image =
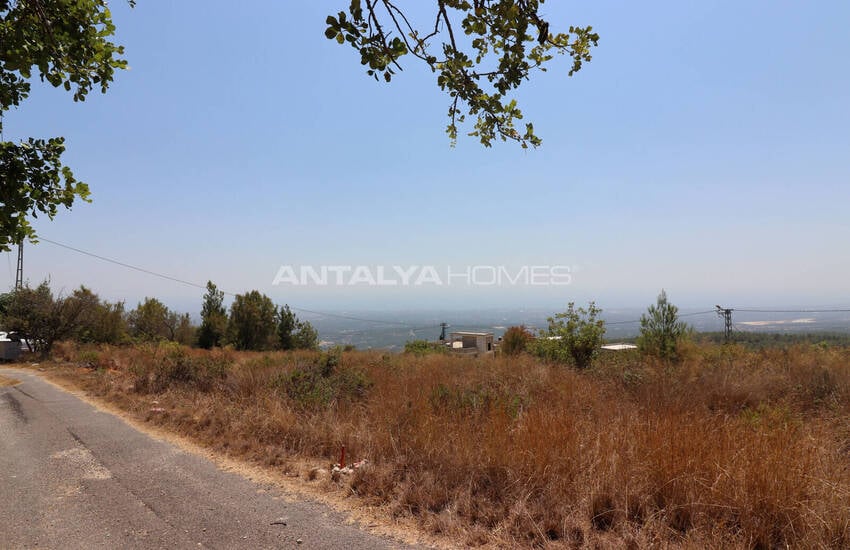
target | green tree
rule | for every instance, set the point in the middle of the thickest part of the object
(305, 336)
(41, 318)
(184, 331)
(253, 321)
(515, 340)
(152, 320)
(661, 331)
(213, 318)
(100, 322)
(68, 44)
(286, 325)
(573, 336)
(489, 48)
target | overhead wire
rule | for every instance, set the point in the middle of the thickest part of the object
(399, 324)
(197, 285)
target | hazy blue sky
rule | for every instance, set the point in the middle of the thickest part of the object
(706, 150)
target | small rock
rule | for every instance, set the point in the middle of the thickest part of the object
(298, 541)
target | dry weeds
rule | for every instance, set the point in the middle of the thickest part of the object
(729, 448)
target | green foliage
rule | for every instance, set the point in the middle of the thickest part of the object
(100, 322)
(170, 363)
(661, 331)
(423, 347)
(515, 340)
(41, 318)
(505, 42)
(34, 182)
(66, 44)
(152, 320)
(323, 382)
(306, 336)
(253, 322)
(293, 333)
(286, 324)
(573, 336)
(213, 318)
(185, 332)
(766, 340)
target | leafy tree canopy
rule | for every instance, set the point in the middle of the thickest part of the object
(253, 322)
(152, 320)
(42, 318)
(481, 51)
(65, 43)
(574, 336)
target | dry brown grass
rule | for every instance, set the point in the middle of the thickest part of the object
(7, 381)
(729, 448)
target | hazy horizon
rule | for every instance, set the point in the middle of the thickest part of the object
(714, 167)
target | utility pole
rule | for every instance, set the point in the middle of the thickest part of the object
(19, 274)
(726, 313)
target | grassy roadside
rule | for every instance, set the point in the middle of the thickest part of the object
(731, 448)
(7, 381)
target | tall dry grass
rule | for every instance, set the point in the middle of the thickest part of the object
(729, 448)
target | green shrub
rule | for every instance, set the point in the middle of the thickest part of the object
(515, 340)
(573, 336)
(423, 347)
(169, 364)
(323, 382)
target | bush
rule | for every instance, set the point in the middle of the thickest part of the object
(515, 340)
(423, 347)
(323, 382)
(167, 364)
(573, 336)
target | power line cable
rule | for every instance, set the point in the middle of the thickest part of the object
(128, 266)
(681, 315)
(698, 313)
(196, 285)
(400, 324)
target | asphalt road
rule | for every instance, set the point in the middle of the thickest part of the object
(72, 476)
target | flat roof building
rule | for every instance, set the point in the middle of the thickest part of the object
(471, 342)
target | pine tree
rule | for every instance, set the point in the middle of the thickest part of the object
(661, 331)
(213, 318)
